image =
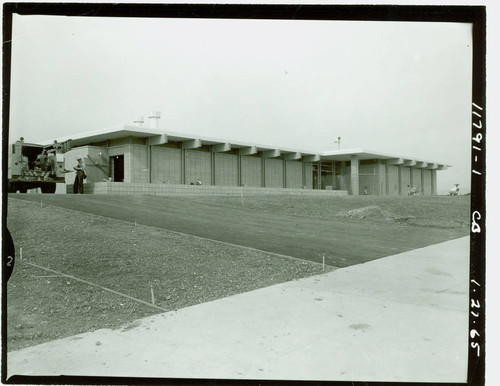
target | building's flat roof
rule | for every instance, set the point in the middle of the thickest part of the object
(121, 131)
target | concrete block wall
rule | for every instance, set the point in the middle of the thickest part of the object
(392, 181)
(190, 190)
(416, 178)
(294, 174)
(251, 171)
(345, 178)
(369, 177)
(382, 184)
(308, 166)
(166, 165)
(198, 166)
(405, 179)
(226, 169)
(137, 164)
(427, 176)
(274, 173)
(96, 167)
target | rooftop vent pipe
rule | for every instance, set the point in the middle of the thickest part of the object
(139, 121)
(154, 119)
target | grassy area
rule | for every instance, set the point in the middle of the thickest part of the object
(428, 211)
(182, 270)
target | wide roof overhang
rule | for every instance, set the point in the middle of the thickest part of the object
(122, 131)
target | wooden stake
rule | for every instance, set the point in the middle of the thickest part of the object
(20, 253)
(152, 294)
(323, 261)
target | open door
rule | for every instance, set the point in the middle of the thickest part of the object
(118, 162)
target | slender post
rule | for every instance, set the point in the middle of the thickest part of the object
(152, 294)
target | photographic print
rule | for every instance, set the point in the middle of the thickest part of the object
(243, 192)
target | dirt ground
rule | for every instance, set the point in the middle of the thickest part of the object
(426, 211)
(180, 270)
(138, 261)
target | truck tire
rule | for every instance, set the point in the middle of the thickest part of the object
(48, 188)
(11, 188)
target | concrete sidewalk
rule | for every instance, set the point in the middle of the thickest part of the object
(400, 318)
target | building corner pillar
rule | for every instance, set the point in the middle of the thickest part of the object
(433, 182)
(355, 175)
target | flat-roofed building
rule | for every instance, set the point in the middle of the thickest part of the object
(135, 159)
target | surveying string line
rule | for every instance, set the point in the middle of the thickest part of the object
(195, 236)
(98, 286)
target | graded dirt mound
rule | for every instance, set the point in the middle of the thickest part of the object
(374, 212)
(371, 211)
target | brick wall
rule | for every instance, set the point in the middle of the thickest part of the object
(226, 169)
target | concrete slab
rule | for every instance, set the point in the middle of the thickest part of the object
(400, 318)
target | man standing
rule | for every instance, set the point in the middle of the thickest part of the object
(79, 177)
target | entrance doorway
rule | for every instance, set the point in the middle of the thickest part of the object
(118, 167)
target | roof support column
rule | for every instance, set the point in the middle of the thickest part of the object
(422, 182)
(150, 149)
(318, 180)
(433, 182)
(238, 170)
(334, 181)
(212, 166)
(400, 181)
(355, 175)
(387, 184)
(183, 166)
(284, 173)
(303, 173)
(263, 170)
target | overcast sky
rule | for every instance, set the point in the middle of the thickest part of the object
(399, 88)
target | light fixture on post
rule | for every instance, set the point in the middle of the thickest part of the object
(338, 142)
